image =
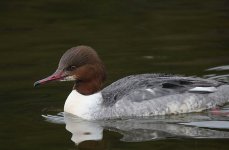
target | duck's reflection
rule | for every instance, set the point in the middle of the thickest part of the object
(139, 130)
(83, 130)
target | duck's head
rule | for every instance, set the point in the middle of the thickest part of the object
(82, 65)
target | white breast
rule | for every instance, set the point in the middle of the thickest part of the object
(82, 105)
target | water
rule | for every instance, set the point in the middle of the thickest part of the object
(132, 37)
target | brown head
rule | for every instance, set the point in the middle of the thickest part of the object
(82, 65)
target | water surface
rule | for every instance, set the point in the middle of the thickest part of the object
(132, 37)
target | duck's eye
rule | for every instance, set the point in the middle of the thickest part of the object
(71, 68)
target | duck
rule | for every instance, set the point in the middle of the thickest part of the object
(141, 95)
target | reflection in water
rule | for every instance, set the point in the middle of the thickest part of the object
(210, 124)
(147, 129)
(83, 130)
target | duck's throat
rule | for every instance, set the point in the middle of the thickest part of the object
(90, 79)
(87, 87)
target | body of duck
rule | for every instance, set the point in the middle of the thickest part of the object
(132, 96)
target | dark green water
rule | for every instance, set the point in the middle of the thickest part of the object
(131, 36)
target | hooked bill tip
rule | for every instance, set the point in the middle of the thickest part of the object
(36, 84)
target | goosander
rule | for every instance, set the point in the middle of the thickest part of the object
(134, 95)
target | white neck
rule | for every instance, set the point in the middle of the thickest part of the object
(84, 106)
